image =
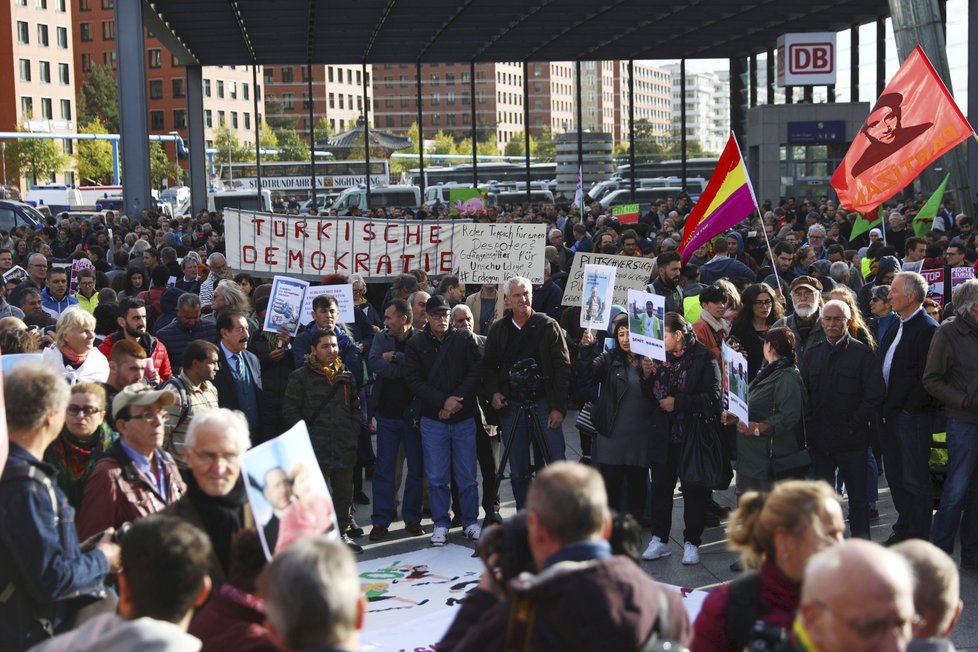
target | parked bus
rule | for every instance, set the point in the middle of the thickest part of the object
(487, 172)
(288, 179)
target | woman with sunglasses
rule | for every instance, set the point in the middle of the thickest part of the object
(83, 439)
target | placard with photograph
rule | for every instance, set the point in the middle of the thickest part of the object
(285, 305)
(598, 295)
(735, 382)
(646, 324)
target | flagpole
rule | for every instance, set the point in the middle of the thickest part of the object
(757, 207)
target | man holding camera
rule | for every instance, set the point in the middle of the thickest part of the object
(526, 336)
(583, 598)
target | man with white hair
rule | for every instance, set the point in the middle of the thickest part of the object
(856, 596)
(564, 257)
(845, 388)
(952, 366)
(816, 240)
(218, 266)
(805, 322)
(216, 500)
(937, 592)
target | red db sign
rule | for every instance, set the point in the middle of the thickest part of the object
(806, 59)
(811, 58)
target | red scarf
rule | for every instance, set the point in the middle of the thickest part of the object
(76, 359)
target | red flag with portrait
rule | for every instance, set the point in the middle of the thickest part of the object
(913, 122)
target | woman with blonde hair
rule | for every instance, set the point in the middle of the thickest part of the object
(73, 354)
(776, 533)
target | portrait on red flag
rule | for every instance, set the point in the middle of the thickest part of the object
(914, 122)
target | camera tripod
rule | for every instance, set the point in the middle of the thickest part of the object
(527, 412)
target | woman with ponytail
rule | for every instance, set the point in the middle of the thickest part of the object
(776, 533)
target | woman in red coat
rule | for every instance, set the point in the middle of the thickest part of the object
(776, 534)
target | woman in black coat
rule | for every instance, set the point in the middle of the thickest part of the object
(686, 387)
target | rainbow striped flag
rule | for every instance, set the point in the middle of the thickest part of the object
(728, 199)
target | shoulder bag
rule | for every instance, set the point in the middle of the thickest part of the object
(793, 466)
(701, 460)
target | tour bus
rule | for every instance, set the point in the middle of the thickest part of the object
(400, 196)
(246, 200)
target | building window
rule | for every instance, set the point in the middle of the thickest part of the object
(84, 32)
(349, 77)
(244, 91)
(63, 6)
(247, 121)
(404, 100)
(42, 35)
(435, 99)
(287, 75)
(156, 89)
(269, 76)
(434, 80)
(108, 58)
(220, 118)
(63, 74)
(155, 58)
(209, 119)
(42, 4)
(207, 88)
(63, 38)
(233, 90)
(66, 112)
(179, 119)
(329, 75)
(21, 3)
(178, 87)
(305, 101)
(332, 101)
(25, 70)
(23, 36)
(450, 98)
(156, 121)
(86, 62)
(449, 79)
(84, 5)
(404, 81)
(234, 119)
(45, 70)
(220, 89)
(108, 30)
(27, 107)
(288, 101)
(47, 108)
(108, 4)
(341, 101)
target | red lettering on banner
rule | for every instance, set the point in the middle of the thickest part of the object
(387, 237)
(339, 261)
(245, 251)
(412, 232)
(321, 230)
(433, 234)
(258, 221)
(361, 262)
(384, 264)
(446, 262)
(406, 258)
(347, 236)
(300, 229)
(279, 228)
(294, 256)
(317, 263)
(368, 232)
(270, 255)
(427, 263)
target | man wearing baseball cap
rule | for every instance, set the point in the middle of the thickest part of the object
(806, 297)
(136, 477)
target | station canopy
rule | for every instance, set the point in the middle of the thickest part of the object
(293, 32)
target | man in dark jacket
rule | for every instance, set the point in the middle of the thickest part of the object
(949, 376)
(583, 598)
(443, 369)
(185, 328)
(527, 335)
(845, 388)
(804, 322)
(909, 411)
(723, 266)
(669, 266)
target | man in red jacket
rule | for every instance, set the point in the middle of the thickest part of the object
(132, 327)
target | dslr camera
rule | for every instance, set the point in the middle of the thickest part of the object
(526, 379)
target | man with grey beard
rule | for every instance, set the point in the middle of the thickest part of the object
(806, 296)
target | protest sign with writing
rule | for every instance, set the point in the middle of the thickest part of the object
(646, 324)
(344, 301)
(492, 253)
(633, 273)
(735, 382)
(935, 284)
(285, 305)
(961, 274)
(599, 283)
(15, 273)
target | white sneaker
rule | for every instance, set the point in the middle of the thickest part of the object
(472, 532)
(656, 550)
(691, 554)
(440, 536)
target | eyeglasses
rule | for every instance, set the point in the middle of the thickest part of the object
(876, 627)
(211, 458)
(764, 303)
(85, 410)
(148, 417)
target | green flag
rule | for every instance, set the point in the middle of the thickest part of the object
(924, 221)
(863, 224)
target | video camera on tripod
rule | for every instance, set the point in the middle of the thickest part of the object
(525, 379)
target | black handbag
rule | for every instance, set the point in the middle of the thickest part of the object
(701, 460)
(793, 466)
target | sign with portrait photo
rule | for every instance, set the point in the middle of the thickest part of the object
(646, 324)
(735, 382)
(285, 305)
(598, 295)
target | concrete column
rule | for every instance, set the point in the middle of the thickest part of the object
(133, 126)
(195, 138)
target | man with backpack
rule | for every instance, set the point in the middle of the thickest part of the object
(195, 387)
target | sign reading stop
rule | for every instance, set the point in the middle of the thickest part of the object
(806, 59)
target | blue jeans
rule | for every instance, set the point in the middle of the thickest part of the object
(852, 471)
(448, 448)
(391, 433)
(959, 489)
(519, 454)
(906, 441)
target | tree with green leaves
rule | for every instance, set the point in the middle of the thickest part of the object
(225, 142)
(99, 98)
(517, 145)
(40, 157)
(323, 130)
(276, 116)
(161, 167)
(291, 147)
(93, 158)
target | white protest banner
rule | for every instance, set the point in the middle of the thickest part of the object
(599, 284)
(633, 273)
(646, 324)
(285, 305)
(281, 475)
(735, 382)
(492, 253)
(344, 301)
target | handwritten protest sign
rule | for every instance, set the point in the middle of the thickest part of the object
(633, 273)
(492, 253)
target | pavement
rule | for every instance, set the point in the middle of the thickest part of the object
(715, 556)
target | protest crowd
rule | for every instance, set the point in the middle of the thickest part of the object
(124, 517)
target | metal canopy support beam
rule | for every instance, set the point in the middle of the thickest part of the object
(769, 64)
(631, 126)
(880, 55)
(312, 135)
(417, 75)
(366, 126)
(854, 63)
(809, 95)
(526, 126)
(195, 138)
(580, 116)
(158, 28)
(752, 64)
(736, 98)
(254, 94)
(682, 118)
(131, 78)
(475, 160)
(972, 96)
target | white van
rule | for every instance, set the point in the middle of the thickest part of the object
(399, 196)
(246, 200)
(642, 196)
(56, 197)
(175, 197)
(519, 197)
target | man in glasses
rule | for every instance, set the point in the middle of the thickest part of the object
(37, 272)
(136, 477)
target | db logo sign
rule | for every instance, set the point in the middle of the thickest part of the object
(806, 59)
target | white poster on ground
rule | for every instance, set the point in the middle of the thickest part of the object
(598, 295)
(646, 324)
(735, 382)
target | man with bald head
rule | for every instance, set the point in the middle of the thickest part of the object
(856, 596)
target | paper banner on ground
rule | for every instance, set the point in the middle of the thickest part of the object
(646, 324)
(735, 383)
(633, 273)
(492, 253)
(344, 301)
(596, 300)
(288, 494)
(935, 284)
(285, 305)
